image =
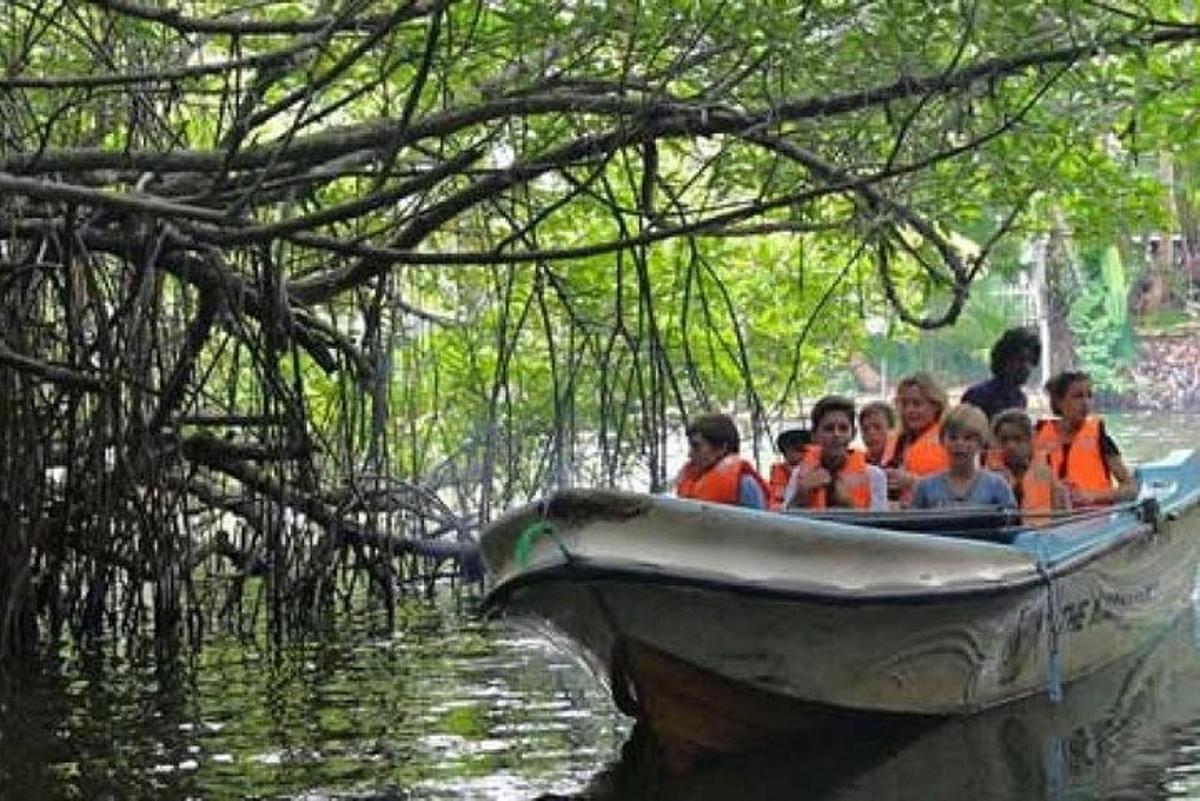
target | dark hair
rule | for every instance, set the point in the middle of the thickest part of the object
(1012, 417)
(1058, 386)
(718, 429)
(833, 403)
(878, 407)
(793, 438)
(1013, 343)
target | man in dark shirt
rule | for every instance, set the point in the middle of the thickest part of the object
(1014, 356)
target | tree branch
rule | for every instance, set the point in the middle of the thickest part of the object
(174, 19)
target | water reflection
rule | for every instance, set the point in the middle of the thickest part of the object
(1130, 731)
(446, 708)
(441, 708)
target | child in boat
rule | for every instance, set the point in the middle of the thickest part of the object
(1081, 452)
(831, 474)
(876, 421)
(714, 471)
(964, 434)
(792, 443)
(1034, 485)
(918, 450)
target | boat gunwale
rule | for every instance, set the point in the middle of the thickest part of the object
(582, 568)
(1129, 523)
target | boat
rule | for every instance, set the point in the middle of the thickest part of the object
(1114, 734)
(723, 629)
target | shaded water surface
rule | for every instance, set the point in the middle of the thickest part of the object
(445, 707)
(439, 708)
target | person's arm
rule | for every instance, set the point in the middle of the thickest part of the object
(837, 495)
(900, 479)
(803, 481)
(1127, 487)
(750, 494)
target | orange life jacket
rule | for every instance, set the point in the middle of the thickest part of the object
(1078, 461)
(853, 479)
(781, 473)
(1036, 487)
(720, 482)
(1037, 492)
(924, 456)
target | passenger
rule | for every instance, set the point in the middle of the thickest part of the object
(1014, 356)
(832, 475)
(1028, 472)
(791, 443)
(1081, 452)
(876, 422)
(918, 448)
(714, 471)
(964, 434)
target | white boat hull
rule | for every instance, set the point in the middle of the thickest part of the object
(658, 594)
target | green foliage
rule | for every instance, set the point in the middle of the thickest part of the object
(723, 244)
(1099, 319)
(957, 354)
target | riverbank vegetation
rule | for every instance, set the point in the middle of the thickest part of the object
(307, 291)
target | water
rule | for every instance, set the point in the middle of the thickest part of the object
(1146, 435)
(440, 708)
(1130, 732)
(445, 707)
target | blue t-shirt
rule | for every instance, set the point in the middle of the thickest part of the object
(750, 494)
(988, 489)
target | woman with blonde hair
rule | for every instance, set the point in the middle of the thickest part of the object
(918, 451)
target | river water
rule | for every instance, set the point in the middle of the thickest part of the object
(443, 706)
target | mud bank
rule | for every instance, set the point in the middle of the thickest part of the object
(1167, 373)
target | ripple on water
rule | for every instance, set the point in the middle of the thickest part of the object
(501, 785)
(426, 713)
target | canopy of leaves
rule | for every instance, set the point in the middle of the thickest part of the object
(483, 246)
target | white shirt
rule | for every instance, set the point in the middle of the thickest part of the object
(878, 479)
(875, 476)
